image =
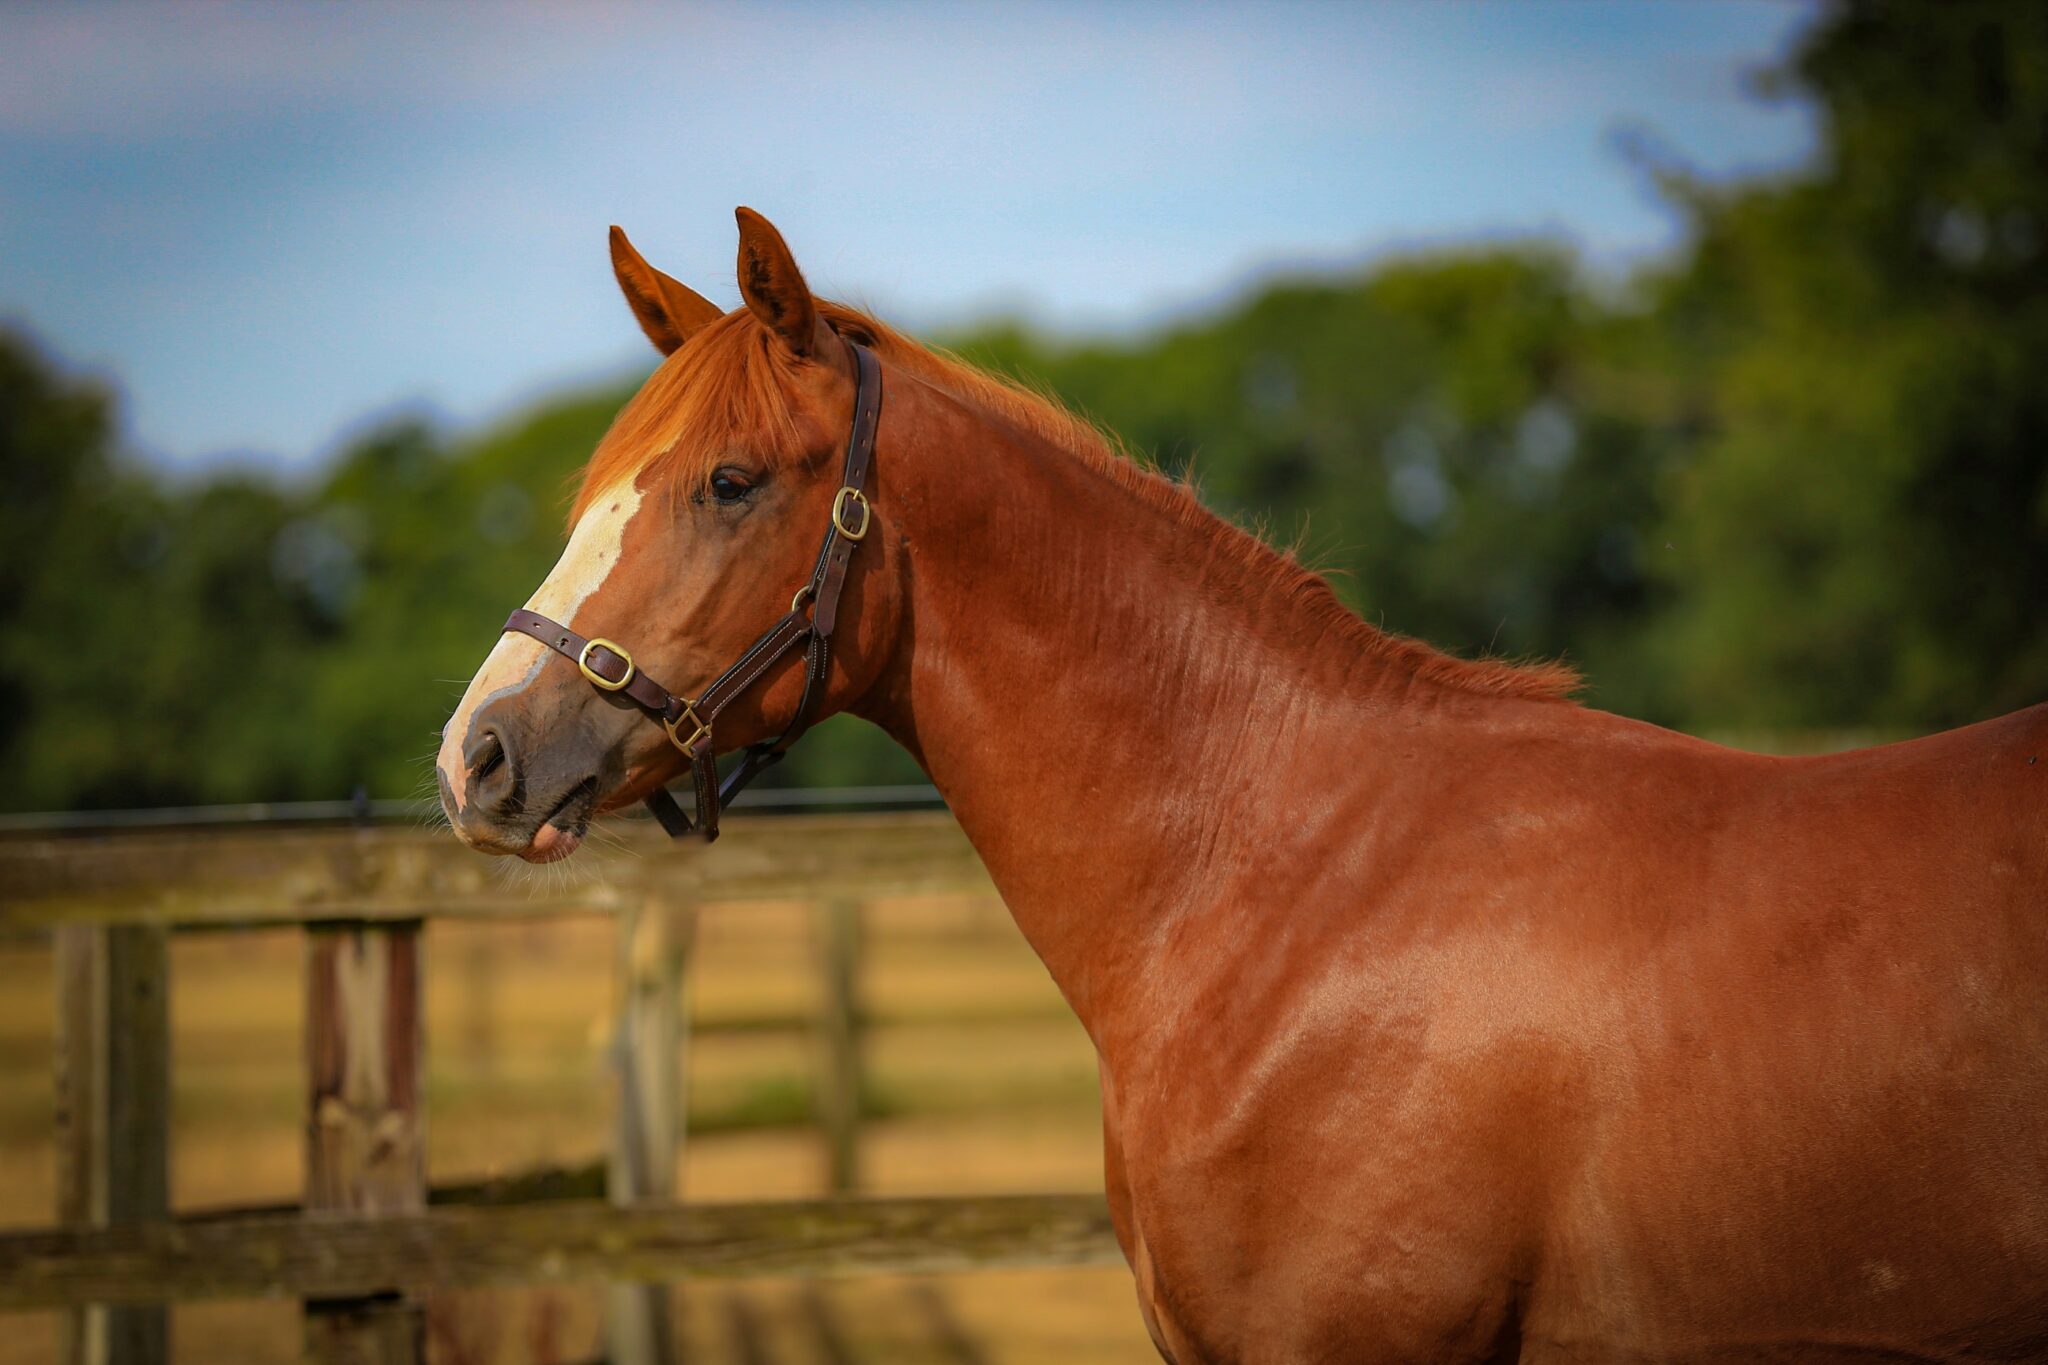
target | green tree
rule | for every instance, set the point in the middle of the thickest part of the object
(1862, 535)
(76, 521)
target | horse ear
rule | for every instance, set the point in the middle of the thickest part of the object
(772, 285)
(669, 310)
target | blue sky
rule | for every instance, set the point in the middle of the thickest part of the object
(269, 224)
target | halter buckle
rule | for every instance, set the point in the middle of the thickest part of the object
(867, 513)
(596, 678)
(700, 727)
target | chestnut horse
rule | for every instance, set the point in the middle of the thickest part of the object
(1439, 1018)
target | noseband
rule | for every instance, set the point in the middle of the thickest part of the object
(610, 668)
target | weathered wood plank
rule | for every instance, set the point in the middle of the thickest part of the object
(535, 1185)
(654, 943)
(242, 878)
(582, 1241)
(365, 1148)
(79, 953)
(365, 1141)
(969, 1015)
(113, 1114)
(839, 1042)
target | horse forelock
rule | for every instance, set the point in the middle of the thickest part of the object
(725, 392)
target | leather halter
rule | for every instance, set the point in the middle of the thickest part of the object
(611, 668)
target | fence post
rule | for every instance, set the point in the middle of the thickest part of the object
(648, 1042)
(113, 1114)
(365, 1139)
(839, 1043)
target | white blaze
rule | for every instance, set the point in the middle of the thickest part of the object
(592, 553)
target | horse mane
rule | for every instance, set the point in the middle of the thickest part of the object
(724, 392)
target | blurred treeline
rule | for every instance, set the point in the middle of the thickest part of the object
(1795, 475)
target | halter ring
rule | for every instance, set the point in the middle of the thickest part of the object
(699, 730)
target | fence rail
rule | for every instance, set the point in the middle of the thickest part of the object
(366, 1241)
(289, 1255)
(243, 879)
(364, 811)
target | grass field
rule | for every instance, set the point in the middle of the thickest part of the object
(979, 1079)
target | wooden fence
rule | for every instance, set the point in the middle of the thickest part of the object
(368, 1239)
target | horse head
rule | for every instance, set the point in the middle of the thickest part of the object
(695, 527)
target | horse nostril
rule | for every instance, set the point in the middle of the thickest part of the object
(493, 774)
(488, 754)
(492, 771)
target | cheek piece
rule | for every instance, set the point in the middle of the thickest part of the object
(610, 667)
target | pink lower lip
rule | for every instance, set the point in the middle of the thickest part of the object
(551, 843)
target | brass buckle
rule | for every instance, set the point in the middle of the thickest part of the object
(803, 595)
(583, 665)
(867, 513)
(690, 714)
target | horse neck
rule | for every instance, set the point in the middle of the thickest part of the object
(1095, 680)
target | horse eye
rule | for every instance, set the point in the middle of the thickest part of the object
(730, 485)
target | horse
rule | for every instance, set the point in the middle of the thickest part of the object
(1439, 1017)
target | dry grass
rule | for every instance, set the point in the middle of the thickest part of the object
(988, 1085)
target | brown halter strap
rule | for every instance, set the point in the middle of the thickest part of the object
(689, 723)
